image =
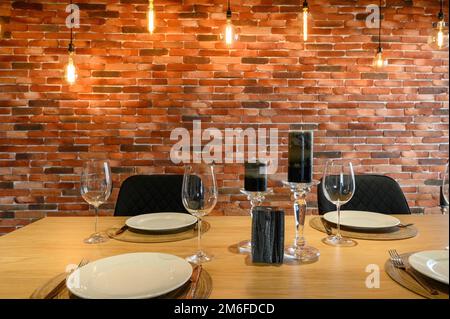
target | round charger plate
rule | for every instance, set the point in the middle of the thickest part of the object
(403, 278)
(129, 276)
(137, 236)
(362, 219)
(394, 233)
(203, 290)
(161, 221)
(431, 263)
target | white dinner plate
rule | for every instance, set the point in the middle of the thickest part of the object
(129, 276)
(361, 219)
(161, 221)
(431, 263)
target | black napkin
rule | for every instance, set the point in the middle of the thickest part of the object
(268, 235)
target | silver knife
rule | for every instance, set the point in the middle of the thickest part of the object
(194, 282)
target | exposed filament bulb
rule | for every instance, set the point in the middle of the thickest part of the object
(229, 33)
(440, 35)
(379, 61)
(151, 17)
(305, 23)
(71, 71)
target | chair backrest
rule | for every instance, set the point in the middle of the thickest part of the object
(374, 193)
(143, 194)
(442, 201)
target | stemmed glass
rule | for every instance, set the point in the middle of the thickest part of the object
(199, 195)
(445, 189)
(96, 186)
(338, 185)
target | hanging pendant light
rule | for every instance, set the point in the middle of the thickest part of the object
(379, 60)
(438, 38)
(151, 17)
(71, 71)
(306, 21)
(229, 35)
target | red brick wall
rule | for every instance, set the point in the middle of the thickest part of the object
(133, 88)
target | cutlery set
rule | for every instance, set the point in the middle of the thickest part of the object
(398, 262)
(62, 284)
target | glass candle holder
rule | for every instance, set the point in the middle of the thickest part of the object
(299, 249)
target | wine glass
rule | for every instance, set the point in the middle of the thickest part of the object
(445, 190)
(338, 185)
(96, 186)
(199, 196)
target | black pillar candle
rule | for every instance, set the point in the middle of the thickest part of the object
(255, 177)
(300, 166)
(267, 235)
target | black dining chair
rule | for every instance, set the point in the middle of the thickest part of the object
(143, 194)
(374, 193)
(442, 202)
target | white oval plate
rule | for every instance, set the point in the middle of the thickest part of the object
(361, 219)
(431, 263)
(161, 221)
(129, 276)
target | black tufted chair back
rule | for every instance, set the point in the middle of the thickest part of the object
(374, 193)
(143, 194)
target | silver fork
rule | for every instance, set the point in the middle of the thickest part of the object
(55, 291)
(398, 262)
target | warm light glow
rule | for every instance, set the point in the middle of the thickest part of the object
(151, 18)
(229, 33)
(439, 36)
(71, 71)
(305, 24)
(379, 61)
(440, 39)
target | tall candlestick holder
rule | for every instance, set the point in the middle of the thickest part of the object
(299, 250)
(255, 198)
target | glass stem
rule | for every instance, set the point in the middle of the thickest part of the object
(96, 219)
(338, 233)
(300, 213)
(199, 235)
(255, 200)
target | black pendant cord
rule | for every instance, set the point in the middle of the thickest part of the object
(379, 30)
(305, 4)
(229, 13)
(441, 11)
(71, 46)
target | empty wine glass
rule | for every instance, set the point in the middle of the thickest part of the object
(96, 186)
(338, 186)
(199, 196)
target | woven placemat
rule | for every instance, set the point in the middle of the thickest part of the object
(394, 233)
(134, 236)
(203, 290)
(404, 279)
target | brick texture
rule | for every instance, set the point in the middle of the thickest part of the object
(134, 88)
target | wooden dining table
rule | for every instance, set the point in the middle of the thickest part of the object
(32, 255)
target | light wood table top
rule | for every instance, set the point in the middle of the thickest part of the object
(32, 255)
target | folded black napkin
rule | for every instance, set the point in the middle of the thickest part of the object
(268, 235)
